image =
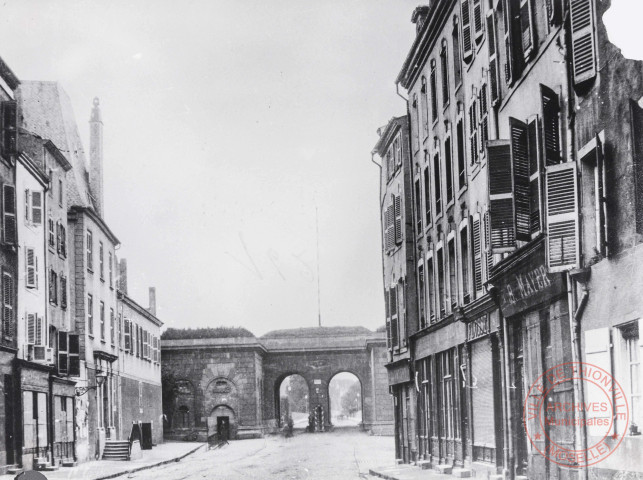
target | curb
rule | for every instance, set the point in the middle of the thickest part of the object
(146, 467)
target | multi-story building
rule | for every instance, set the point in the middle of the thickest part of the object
(398, 258)
(526, 192)
(8, 266)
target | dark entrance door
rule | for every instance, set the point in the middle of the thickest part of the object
(516, 362)
(223, 428)
(9, 416)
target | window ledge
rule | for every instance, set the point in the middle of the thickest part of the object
(462, 191)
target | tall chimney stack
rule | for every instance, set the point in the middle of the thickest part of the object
(96, 157)
(122, 275)
(152, 308)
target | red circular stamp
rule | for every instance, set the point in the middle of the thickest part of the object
(554, 418)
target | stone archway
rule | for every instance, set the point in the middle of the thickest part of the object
(346, 398)
(293, 403)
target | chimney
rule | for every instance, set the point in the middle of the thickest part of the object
(420, 16)
(152, 308)
(122, 275)
(96, 157)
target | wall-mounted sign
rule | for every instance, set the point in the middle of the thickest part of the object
(478, 328)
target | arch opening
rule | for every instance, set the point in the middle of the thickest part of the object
(292, 401)
(346, 400)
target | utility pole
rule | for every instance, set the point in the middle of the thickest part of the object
(318, 290)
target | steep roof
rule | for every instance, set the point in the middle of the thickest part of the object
(44, 109)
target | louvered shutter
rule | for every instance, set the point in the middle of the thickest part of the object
(550, 110)
(40, 327)
(63, 362)
(36, 207)
(30, 261)
(477, 20)
(526, 28)
(9, 128)
(74, 355)
(8, 321)
(128, 335)
(388, 319)
(520, 160)
(533, 135)
(9, 229)
(602, 243)
(398, 219)
(484, 117)
(501, 196)
(394, 316)
(493, 59)
(597, 353)
(487, 244)
(467, 48)
(473, 131)
(583, 42)
(513, 41)
(562, 217)
(31, 328)
(477, 254)
(387, 239)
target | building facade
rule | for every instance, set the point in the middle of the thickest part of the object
(525, 187)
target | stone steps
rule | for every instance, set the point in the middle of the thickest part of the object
(116, 450)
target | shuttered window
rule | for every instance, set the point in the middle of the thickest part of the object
(513, 40)
(448, 165)
(418, 208)
(430, 284)
(526, 28)
(520, 160)
(9, 214)
(90, 314)
(31, 262)
(418, 122)
(464, 264)
(427, 196)
(63, 291)
(421, 291)
(30, 319)
(127, 328)
(52, 234)
(476, 235)
(63, 353)
(8, 317)
(444, 67)
(473, 132)
(53, 287)
(453, 283)
(36, 207)
(488, 251)
(434, 92)
(394, 326)
(583, 41)
(9, 129)
(398, 219)
(101, 313)
(467, 47)
(441, 282)
(501, 197)
(533, 137)
(112, 329)
(494, 81)
(436, 187)
(483, 101)
(90, 250)
(562, 217)
(478, 26)
(424, 103)
(550, 111)
(457, 61)
(462, 164)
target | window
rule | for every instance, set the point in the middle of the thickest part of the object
(434, 92)
(418, 211)
(447, 401)
(9, 129)
(441, 282)
(421, 291)
(493, 58)
(74, 355)
(390, 163)
(62, 240)
(90, 314)
(63, 353)
(430, 276)
(101, 260)
(52, 236)
(427, 197)
(631, 366)
(473, 131)
(501, 203)
(9, 229)
(425, 107)
(397, 151)
(111, 270)
(436, 187)
(102, 321)
(394, 325)
(33, 207)
(120, 330)
(8, 318)
(457, 61)
(453, 284)
(467, 47)
(477, 255)
(462, 167)
(63, 291)
(484, 118)
(397, 202)
(477, 20)
(60, 192)
(418, 119)
(444, 64)
(53, 287)
(112, 328)
(31, 262)
(526, 28)
(464, 264)
(448, 169)
(127, 335)
(90, 251)
(35, 329)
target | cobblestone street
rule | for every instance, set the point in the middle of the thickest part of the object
(343, 454)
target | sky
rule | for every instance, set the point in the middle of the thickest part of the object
(227, 125)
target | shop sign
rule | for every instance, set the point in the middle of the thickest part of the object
(527, 288)
(478, 328)
(399, 374)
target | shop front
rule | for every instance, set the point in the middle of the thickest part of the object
(402, 390)
(63, 428)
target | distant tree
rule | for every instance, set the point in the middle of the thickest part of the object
(209, 332)
(381, 329)
(351, 399)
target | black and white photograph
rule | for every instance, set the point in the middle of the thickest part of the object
(321, 240)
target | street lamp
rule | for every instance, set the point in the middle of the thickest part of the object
(100, 379)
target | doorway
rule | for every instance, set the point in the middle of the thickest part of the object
(223, 428)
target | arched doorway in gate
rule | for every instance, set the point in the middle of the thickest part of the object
(292, 401)
(222, 421)
(346, 400)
